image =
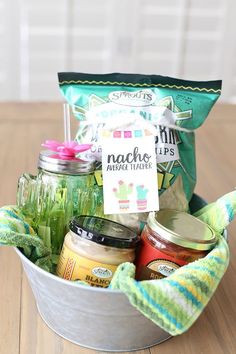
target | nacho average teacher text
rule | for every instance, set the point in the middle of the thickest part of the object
(132, 161)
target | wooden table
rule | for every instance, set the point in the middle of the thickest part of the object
(23, 128)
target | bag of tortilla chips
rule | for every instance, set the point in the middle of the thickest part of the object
(173, 107)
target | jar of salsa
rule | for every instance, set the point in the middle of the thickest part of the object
(170, 240)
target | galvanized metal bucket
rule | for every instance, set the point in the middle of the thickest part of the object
(96, 318)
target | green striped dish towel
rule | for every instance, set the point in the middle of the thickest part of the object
(174, 303)
(15, 231)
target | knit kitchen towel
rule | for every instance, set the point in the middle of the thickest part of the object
(14, 231)
(174, 303)
(220, 213)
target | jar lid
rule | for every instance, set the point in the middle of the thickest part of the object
(103, 231)
(49, 161)
(182, 229)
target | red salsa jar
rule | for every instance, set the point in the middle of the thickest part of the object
(170, 240)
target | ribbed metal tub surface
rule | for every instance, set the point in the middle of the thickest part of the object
(96, 318)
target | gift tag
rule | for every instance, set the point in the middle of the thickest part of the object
(129, 172)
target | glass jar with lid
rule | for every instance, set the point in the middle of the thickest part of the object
(170, 240)
(63, 188)
(93, 249)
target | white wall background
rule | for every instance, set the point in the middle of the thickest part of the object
(191, 39)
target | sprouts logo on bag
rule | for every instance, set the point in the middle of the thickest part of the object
(139, 98)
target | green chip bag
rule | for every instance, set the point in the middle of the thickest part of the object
(173, 108)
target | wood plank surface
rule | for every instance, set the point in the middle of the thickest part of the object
(23, 127)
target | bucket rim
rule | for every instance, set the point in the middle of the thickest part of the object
(195, 197)
(64, 281)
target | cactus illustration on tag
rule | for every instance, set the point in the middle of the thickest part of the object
(122, 193)
(141, 197)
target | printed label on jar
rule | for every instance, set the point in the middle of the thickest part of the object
(160, 268)
(72, 266)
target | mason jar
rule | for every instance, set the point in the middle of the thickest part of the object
(62, 189)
